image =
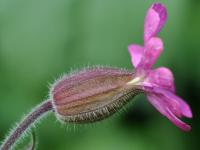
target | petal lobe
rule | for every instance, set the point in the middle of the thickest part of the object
(152, 51)
(136, 52)
(154, 20)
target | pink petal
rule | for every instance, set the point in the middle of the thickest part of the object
(152, 51)
(175, 103)
(157, 103)
(177, 122)
(185, 109)
(162, 77)
(154, 20)
(136, 52)
(160, 104)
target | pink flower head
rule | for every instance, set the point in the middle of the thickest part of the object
(158, 84)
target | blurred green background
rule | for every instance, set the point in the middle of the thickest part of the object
(42, 39)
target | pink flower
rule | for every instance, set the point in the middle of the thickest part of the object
(158, 84)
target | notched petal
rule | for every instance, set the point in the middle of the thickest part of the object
(152, 51)
(183, 106)
(136, 52)
(177, 121)
(162, 77)
(154, 20)
(185, 109)
(170, 106)
(157, 103)
(175, 103)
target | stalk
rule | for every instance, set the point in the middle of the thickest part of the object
(25, 124)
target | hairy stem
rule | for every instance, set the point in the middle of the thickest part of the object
(25, 124)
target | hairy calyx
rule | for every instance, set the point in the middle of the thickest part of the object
(92, 94)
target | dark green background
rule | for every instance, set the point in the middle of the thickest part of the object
(42, 39)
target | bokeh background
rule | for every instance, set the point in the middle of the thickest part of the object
(42, 39)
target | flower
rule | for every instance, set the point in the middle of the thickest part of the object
(158, 84)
